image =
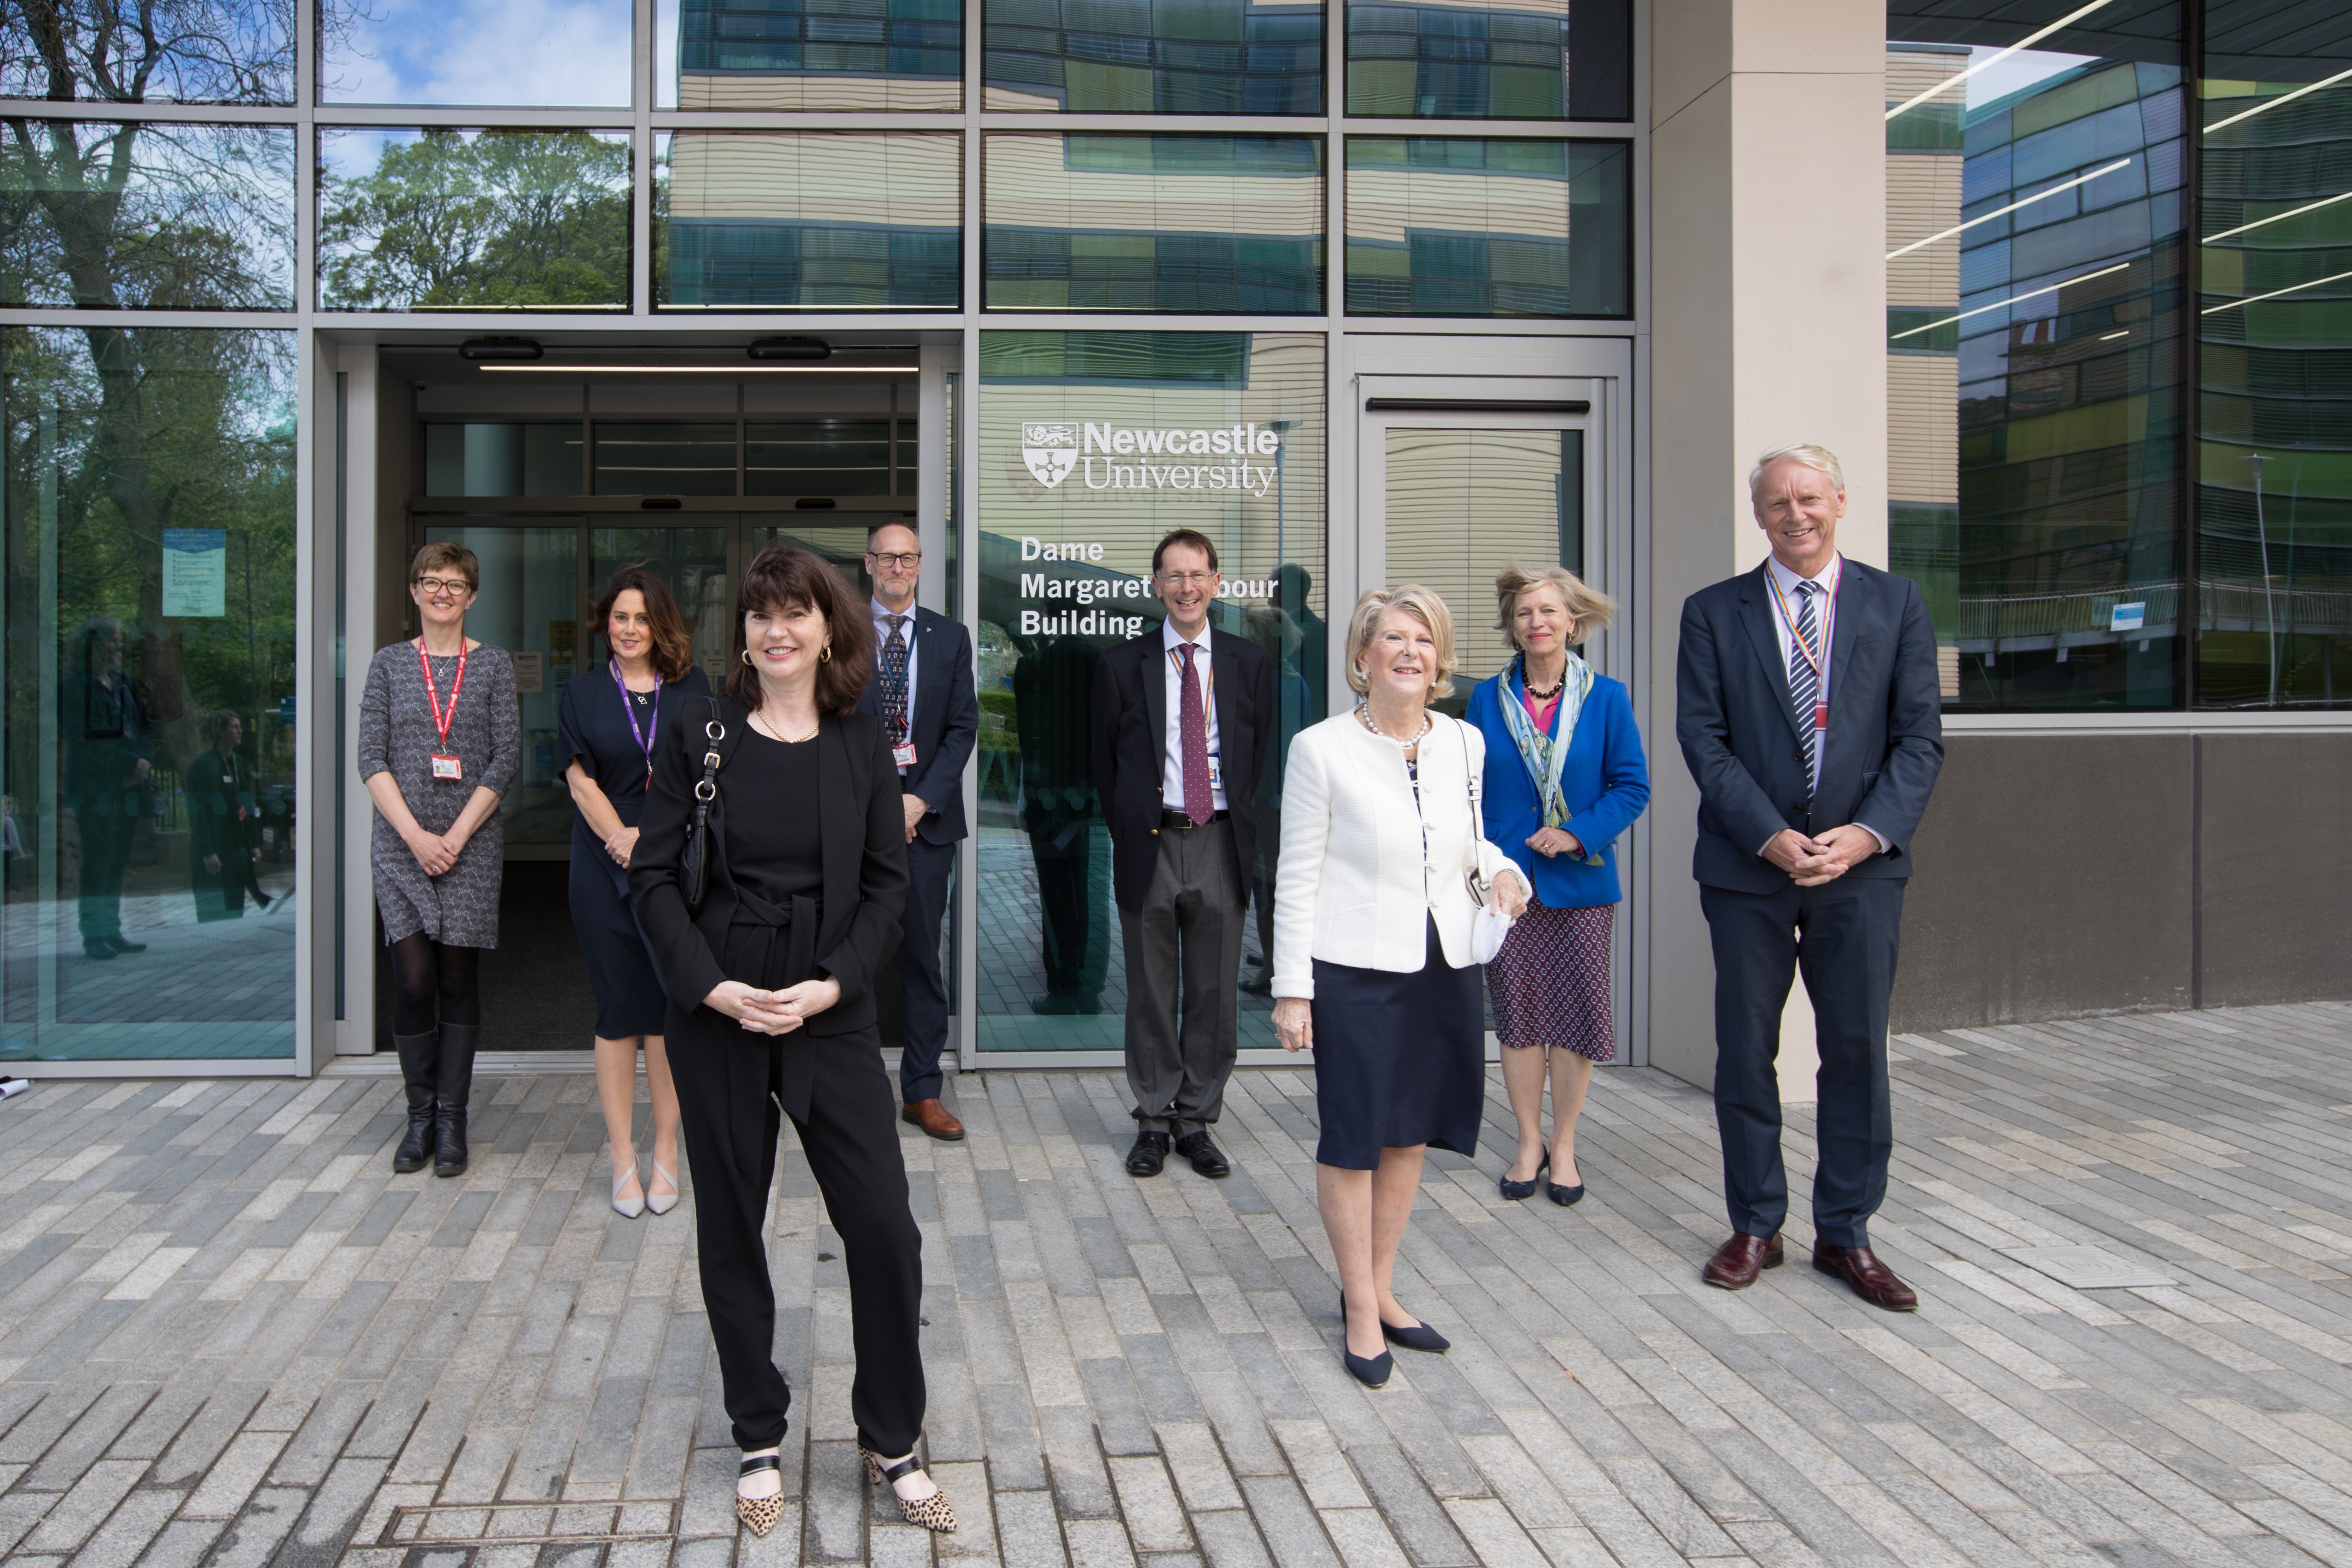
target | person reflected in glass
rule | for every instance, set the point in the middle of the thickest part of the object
(224, 829)
(609, 726)
(772, 1007)
(108, 750)
(1565, 776)
(1053, 691)
(1372, 967)
(439, 741)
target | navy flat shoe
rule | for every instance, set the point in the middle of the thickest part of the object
(1564, 1196)
(1420, 1337)
(1373, 1371)
(1516, 1192)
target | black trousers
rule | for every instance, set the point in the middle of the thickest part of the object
(1842, 936)
(1075, 938)
(922, 988)
(107, 835)
(728, 1082)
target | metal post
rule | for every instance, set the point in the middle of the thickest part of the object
(2262, 539)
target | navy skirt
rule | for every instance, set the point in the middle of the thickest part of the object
(1399, 1059)
(629, 994)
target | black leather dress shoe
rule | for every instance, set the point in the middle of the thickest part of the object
(121, 946)
(1207, 1158)
(1149, 1153)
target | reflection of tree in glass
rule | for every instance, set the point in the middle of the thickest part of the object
(144, 51)
(115, 435)
(481, 220)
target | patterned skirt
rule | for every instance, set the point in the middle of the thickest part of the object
(1550, 982)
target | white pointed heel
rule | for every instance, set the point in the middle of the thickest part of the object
(628, 1209)
(662, 1203)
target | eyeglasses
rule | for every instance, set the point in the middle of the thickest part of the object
(1188, 579)
(896, 562)
(434, 588)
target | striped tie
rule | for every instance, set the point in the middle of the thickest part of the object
(1805, 684)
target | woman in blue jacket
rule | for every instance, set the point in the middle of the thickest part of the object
(1564, 777)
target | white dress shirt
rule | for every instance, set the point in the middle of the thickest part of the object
(1784, 605)
(881, 641)
(1171, 766)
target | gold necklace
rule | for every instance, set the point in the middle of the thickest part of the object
(760, 723)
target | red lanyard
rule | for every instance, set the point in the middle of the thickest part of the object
(441, 722)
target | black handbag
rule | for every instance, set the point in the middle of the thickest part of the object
(694, 859)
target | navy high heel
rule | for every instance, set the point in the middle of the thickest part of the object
(1516, 1191)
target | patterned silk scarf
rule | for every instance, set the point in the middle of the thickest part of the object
(1545, 755)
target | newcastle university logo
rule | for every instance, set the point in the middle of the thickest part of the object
(1050, 451)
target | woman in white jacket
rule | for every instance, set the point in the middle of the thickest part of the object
(1373, 918)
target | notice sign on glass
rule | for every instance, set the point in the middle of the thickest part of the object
(196, 570)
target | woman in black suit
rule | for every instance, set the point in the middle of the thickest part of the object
(807, 874)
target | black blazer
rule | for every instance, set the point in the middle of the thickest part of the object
(944, 726)
(1742, 741)
(865, 868)
(1131, 742)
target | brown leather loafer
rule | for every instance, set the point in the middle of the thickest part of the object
(1737, 1262)
(934, 1119)
(1872, 1280)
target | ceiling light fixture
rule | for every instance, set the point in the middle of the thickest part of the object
(488, 349)
(2013, 299)
(1986, 64)
(717, 369)
(799, 350)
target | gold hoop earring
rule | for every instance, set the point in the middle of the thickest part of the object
(747, 658)
(825, 654)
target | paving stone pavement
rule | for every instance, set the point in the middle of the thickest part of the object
(229, 1335)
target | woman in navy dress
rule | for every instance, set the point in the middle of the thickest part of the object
(607, 724)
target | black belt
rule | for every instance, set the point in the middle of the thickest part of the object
(1183, 824)
(779, 943)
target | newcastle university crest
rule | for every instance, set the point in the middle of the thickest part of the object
(1051, 450)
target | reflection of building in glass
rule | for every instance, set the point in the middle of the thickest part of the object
(2275, 373)
(2049, 538)
(1167, 223)
(820, 54)
(1139, 57)
(1497, 60)
(1459, 225)
(818, 219)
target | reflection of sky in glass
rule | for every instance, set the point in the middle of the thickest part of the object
(554, 53)
(206, 220)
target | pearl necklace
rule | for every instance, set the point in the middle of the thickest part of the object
(1364, 717)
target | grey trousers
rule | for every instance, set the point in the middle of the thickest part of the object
(1189, 928)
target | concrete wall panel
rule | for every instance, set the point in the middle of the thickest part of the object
(2054, 880)
(2275, 869)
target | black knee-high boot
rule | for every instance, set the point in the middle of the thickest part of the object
(453, 1089)
(419, 1070)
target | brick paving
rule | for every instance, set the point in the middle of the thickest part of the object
(229, 1335)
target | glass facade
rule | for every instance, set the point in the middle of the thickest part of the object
(484, 220)
(1094, 445)
(2089, 533)
(1173, 223)
(808, 55)
(114, 53)
(149, 754)
(1457, 226)
(809, 220)
(1534, 59)
(1153, 57)
(145, 215)
(2274, 363)
(470, 54)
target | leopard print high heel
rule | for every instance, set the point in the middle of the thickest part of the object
(760, 1514)
(931, 1512)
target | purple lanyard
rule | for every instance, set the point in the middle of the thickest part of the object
(644, 737)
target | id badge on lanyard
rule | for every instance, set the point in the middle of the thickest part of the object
(446, 765)
(903, 754)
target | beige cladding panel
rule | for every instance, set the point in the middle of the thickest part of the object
(1030, 185)
(1923, 427)
(899, 179)
(1923, 197)
(1384, 202)
(1286, 382)
(840, 94)
(1910, 72)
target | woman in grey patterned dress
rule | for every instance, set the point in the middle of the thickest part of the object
(436, 766)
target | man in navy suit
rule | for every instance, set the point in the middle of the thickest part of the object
(1807, 710)
(1183, 718)
(922, 688)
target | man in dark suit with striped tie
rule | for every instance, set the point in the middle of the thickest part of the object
(923, 690)
(1807, 709)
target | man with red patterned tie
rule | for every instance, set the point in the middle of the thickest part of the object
(1182, 719)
